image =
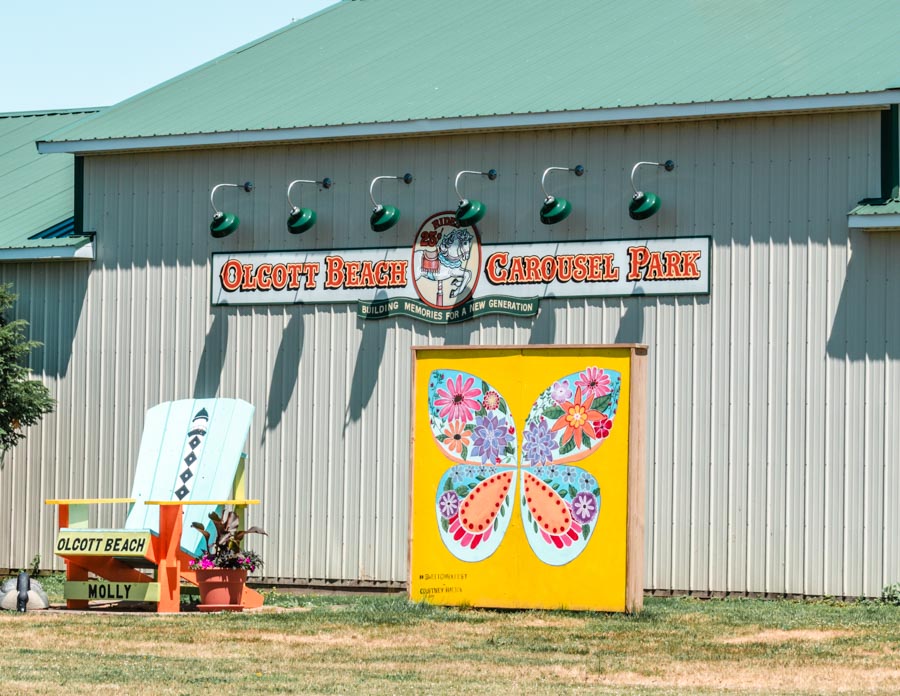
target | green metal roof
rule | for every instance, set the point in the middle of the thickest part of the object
(390, 61)
(36, 191)
(891, 206)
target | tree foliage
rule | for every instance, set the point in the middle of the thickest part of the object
(22, 400)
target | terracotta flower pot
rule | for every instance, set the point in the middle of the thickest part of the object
(221, 588)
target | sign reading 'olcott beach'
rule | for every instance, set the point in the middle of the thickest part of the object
(449, 276)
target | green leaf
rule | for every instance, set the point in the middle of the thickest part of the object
(509, 450)
(586, 530)
(472, 485)
(448, 484)
(563, 494)
(479, 478)
(596, 491)
(568, 447)
(547, 481)
(572, 490)
(445, 525)
(536, 531)
(496, 523)
(554, 412)
(529, 515)
(555, 486)
(441, 437)
(601, 403)
(502, 407)
(462, 491)
(523, 500)
(585, 440)
(503, 511)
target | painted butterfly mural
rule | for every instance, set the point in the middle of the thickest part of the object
(559, 503)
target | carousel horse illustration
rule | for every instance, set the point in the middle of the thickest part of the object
(449, 260)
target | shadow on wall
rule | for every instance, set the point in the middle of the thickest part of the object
(368, 362)
(40, 288)
(212, 360)
(543, 330)
(867, 319)
(631, 325)
(286, 371)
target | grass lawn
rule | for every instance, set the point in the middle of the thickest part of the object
(385, 644)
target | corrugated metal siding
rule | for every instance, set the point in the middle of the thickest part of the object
(775, 454)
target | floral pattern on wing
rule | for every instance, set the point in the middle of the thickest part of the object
(559, 502)
(470, 420)
(558, 518)
(578, 411)
(474, 511)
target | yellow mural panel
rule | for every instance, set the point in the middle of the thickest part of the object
(520, 477)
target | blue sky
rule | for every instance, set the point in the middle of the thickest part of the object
(59, 54)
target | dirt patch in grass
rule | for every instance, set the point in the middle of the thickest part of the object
(780, 636)
(825, 679)
(333, 639)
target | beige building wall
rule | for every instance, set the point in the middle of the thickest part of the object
(774, 453)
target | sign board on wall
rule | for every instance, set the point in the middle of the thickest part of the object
(526, 477)
(449, 276)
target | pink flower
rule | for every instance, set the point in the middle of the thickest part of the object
(593, 382)
(457, 402)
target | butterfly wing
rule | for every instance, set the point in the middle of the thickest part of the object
(560, 502)
(473, 428)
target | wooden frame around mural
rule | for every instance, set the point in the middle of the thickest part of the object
(636, 357)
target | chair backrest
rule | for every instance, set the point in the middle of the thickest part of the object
(190, 450)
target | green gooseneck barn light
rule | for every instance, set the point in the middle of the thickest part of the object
(643, 205)
(384, 217)
(301, 219)
(224, 224)
(556, 209)
(470, 212)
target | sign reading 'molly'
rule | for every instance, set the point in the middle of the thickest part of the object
(449, 276)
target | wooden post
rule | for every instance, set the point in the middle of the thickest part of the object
(637, 434)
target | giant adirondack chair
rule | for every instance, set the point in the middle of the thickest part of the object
(190, 463)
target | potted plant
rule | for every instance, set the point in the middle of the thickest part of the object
(223, 567)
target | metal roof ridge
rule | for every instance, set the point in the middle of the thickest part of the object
(51, 112)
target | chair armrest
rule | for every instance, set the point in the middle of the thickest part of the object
(87, 501)
(201, 502)
(73, 512)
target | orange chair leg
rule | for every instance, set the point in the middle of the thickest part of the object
(168, 574)
(73, 572)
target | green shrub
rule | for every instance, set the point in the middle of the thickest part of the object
(891, 594)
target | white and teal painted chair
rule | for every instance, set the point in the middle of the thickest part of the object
(189, 464)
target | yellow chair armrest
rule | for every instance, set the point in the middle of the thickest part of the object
(201, 502)
(87, 501)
